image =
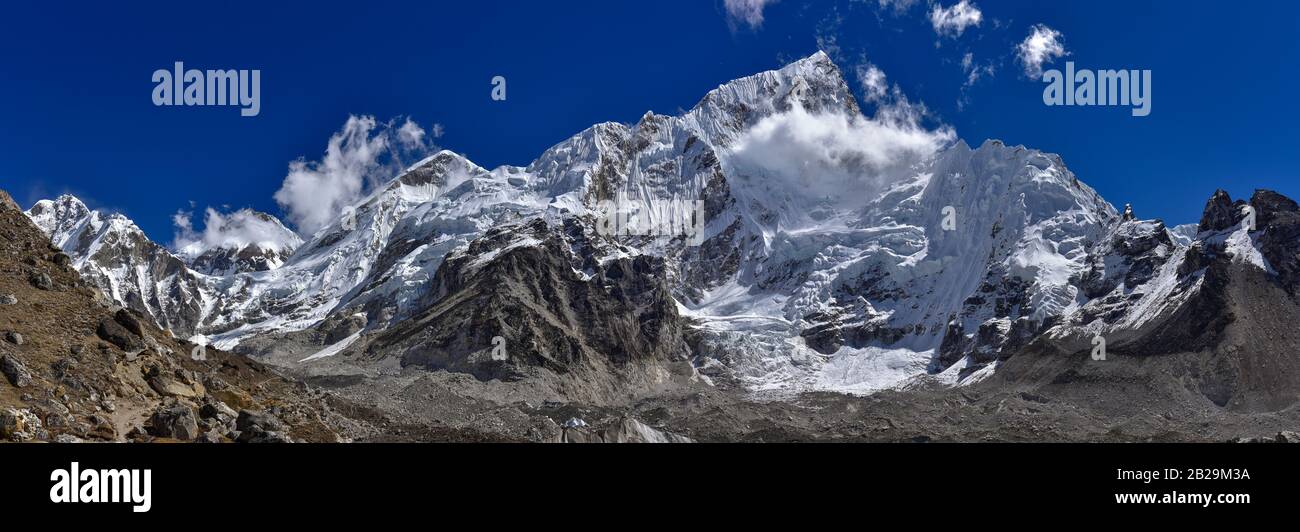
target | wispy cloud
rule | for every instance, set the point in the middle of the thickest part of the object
(828, 31)
(362, 154)
(875, 88)
(898, 7)
(749, 12)
(974, 71)
(952, 21)
(1043, 45)
(892, 105)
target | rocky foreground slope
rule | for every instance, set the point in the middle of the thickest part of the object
(78, 367)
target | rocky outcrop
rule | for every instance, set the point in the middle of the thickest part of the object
(519, 303)
(1220, 212)
(1215, 323)
(1278, 236)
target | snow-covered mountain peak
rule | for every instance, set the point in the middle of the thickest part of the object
(813, 83)
(59, 217)
(237, 242)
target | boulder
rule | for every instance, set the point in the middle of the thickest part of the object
(177, 421)
(219, 411)
(260, 427)
(173, 384)
(14, 338)
(116, 334)
(14, 370)
(41, 281)
(128, 320)
(8, 299)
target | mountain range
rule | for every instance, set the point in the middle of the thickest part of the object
(858, 277)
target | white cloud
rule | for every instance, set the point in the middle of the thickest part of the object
(410, 134)
(952, 21)
(748, 11)
(828, 155)
(975, 71)
(357, 157)
(875, 88)
(897, 6)
(1041, 46)
(231, 231)
(892, 105)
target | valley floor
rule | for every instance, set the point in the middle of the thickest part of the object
(1091, 408)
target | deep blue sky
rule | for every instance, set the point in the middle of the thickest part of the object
(74, 83)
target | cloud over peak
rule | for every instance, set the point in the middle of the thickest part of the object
(357, 157)
(235, 230)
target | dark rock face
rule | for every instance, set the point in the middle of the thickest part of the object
(1220, 213)
(135, 249)
(1129, 257)
(825, 333)
(1011, 320)
(519, 301)
(1278, 237)
(1271, 207)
